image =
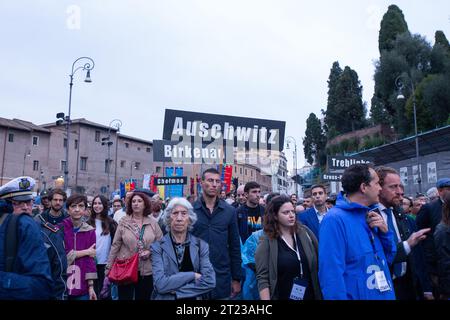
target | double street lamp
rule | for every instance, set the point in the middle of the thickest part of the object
(116, 123)
(400, 82)
(87, 65)
(290, 138)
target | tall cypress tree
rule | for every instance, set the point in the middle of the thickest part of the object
(314, 141)
(331, 112)
(350, 106)
(440, 38)
(392, 24)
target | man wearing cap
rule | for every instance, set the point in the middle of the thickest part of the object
(26, 274)
(45, 201)
(429, 216)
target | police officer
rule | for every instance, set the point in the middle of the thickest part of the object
(28, 275)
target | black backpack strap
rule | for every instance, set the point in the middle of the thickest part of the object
(12, 239)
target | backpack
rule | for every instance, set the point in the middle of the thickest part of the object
(11, 241)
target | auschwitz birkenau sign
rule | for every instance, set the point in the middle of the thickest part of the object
(192, 137)
(159, 181)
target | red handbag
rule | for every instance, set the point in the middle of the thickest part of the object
(125, 271)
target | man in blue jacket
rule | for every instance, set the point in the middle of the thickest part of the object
(28, 277)
(217, 225)
(314, 216)
(356, 247)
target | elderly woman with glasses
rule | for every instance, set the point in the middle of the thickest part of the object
(180, 261)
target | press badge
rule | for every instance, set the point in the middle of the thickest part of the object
(298, 289)
(381, 281)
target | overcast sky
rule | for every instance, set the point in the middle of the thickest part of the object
(250, 58)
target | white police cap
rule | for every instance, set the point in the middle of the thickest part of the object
(18, 189)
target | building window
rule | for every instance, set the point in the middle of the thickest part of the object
(158, 169)
(137, 165)
(65, 143)
(106, 165)
(11, 137)
(35, 141)
(83, 163)
(63, 165)
(245, 171)
(97, 136)
(139, 148)
(76, 144)
(122, 163)
(251, 173)
(127, 145)
(35, 165)
(148, 150)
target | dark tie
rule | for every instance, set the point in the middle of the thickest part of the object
(390, 223)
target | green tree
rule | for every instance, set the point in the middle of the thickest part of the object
(392, 24)
(314, 141)
(345, 108)
(350, 109)
(331, 112)
(410, 56)
(432, 102)
(441, 39)
(440, 54)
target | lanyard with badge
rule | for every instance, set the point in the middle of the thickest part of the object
(299, 284)
(380, 278)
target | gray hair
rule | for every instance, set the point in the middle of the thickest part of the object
(166, 218)
(432, 193)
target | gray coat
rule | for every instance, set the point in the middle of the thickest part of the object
(171, 284)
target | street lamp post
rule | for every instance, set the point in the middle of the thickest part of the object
(25, 155)
(88, 66)
(108, 142)
(133, 164)
(400, 84)
(295, 160)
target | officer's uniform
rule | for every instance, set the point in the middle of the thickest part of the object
(30, 278)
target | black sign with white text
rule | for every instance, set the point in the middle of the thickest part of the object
(237, 131)
(164, 181)
(340, 163)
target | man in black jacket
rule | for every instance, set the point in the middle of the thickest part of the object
(408, 268)
(429, 216)
(217, 225)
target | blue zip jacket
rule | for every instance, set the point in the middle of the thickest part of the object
(347, 262)
(31, 279)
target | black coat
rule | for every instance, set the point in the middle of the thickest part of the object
(54, 242)
(442, 243)
(429, 216)
(416, 280)
(220, 231)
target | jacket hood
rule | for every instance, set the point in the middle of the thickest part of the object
(343, 203)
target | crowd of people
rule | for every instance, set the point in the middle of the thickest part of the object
(368, 242)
